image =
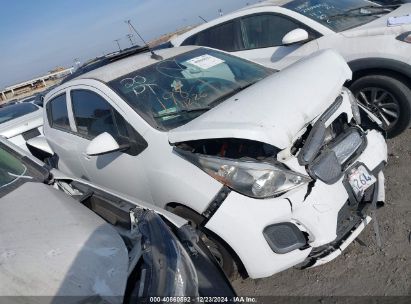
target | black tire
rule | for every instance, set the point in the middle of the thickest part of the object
(217, 249)
(391, 91)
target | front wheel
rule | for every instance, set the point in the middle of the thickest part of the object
(217, 249)
(386, 97)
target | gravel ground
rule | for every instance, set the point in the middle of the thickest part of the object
(360, 270)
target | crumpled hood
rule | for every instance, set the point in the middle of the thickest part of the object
(51, 245)
(380, 27)
(22, 124)
(275, 109)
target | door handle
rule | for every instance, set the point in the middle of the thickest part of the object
(86, 156)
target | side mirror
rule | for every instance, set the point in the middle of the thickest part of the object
(103, 144)
(295, 36)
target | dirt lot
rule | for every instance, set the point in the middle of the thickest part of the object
(360, 270)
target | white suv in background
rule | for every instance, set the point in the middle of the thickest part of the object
(229, 145)
(375, 40)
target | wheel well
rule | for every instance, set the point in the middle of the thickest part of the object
(381, 71)
(240, 266)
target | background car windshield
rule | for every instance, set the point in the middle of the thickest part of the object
(174, 91)
(10, 168)
(14, 111)
(338, 15)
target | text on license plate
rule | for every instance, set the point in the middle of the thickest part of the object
(360, 180)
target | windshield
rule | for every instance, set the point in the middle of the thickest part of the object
(174, 91)
(339, 15)
(17, 110)
(11, 169)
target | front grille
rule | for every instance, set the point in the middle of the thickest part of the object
(349, 217)
(31, 134)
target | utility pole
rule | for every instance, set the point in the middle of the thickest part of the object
(118, 44)
(129, 36)
(77, 62)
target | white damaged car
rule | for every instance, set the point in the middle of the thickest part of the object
(20, 122)
(271, 166)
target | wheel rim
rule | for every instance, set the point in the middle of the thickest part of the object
(382, 104)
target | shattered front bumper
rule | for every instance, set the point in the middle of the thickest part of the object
(241, 221)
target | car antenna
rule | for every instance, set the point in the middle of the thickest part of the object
(205, 21)
(153, 55)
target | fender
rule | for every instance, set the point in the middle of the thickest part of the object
(381, 63)
(41, 144)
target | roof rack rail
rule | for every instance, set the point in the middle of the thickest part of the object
(106, 59)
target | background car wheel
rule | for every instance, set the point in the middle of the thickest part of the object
(388, 98)
(217, 249)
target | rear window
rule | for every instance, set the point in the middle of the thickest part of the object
(223, 37)
(17, 110)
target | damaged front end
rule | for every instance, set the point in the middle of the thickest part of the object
(331, 150)
(331, 175)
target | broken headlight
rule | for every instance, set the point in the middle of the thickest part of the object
(251, 178)
(354, 105)
(328, 167)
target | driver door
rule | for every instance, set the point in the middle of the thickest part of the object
(262, 40)
(122, 171)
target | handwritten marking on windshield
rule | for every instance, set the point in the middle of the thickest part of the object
(138, 85)
(183, 98)
(318, 11)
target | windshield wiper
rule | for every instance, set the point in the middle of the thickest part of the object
(350, 12)
(204, 109)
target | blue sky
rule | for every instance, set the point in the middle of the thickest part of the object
(39, 35)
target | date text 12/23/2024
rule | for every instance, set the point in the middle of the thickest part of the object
(201, 300)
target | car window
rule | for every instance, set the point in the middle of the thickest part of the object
(57, 113)
(225, 37)
(17, 110)
(11, 168)
(265, 30)
(94, 115)
(172, 92)
(339, 15)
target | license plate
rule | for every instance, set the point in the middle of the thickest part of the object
(360, 180)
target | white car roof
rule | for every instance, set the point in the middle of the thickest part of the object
(267, 3)
(130, 64)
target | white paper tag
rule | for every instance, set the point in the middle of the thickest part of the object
(400, 20)
(205, 61)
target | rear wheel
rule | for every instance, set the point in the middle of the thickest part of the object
(217, 249)
(386, 97)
